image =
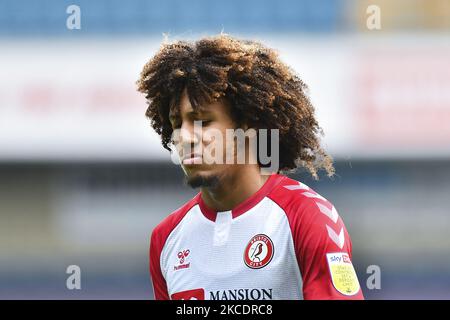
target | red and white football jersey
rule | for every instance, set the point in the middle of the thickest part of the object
(284, 242)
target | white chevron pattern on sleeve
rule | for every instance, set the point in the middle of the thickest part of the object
(297, 186)
(338, 239)
(314, 195)
(332, 214)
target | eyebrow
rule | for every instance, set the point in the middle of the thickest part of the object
(173, 116)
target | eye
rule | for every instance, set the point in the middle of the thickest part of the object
(206, 122)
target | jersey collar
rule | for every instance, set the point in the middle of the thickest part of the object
(247, 204)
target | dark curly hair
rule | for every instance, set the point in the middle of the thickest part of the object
(263, 93)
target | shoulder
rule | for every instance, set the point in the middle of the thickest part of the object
(308, 212)
(298, 199)
(162, 231)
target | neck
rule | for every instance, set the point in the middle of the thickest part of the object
(234, 188)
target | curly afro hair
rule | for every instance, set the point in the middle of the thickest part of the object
(263, 93)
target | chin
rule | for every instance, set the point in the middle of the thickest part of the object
(202, 179)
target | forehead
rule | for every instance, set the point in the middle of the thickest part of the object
(185, 104)
(184, 107)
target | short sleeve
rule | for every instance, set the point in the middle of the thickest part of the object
(323, 247)
(158, 281)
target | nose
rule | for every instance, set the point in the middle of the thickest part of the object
(187, 135)
(187, 139)
(190, 133)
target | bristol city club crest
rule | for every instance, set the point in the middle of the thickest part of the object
(259, 252)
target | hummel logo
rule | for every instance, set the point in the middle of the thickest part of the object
(182, 255)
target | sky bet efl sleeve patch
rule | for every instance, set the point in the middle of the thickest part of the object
(342, 273)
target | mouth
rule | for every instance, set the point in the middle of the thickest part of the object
(192, 158)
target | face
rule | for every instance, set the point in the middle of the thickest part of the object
(201, 141)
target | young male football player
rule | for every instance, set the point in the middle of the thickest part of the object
(251, 233)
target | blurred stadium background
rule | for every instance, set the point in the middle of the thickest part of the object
(83, 179)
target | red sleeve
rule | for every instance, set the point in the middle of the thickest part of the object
(322, 245)
(320, 238)
(157, 242)
(158, 281)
